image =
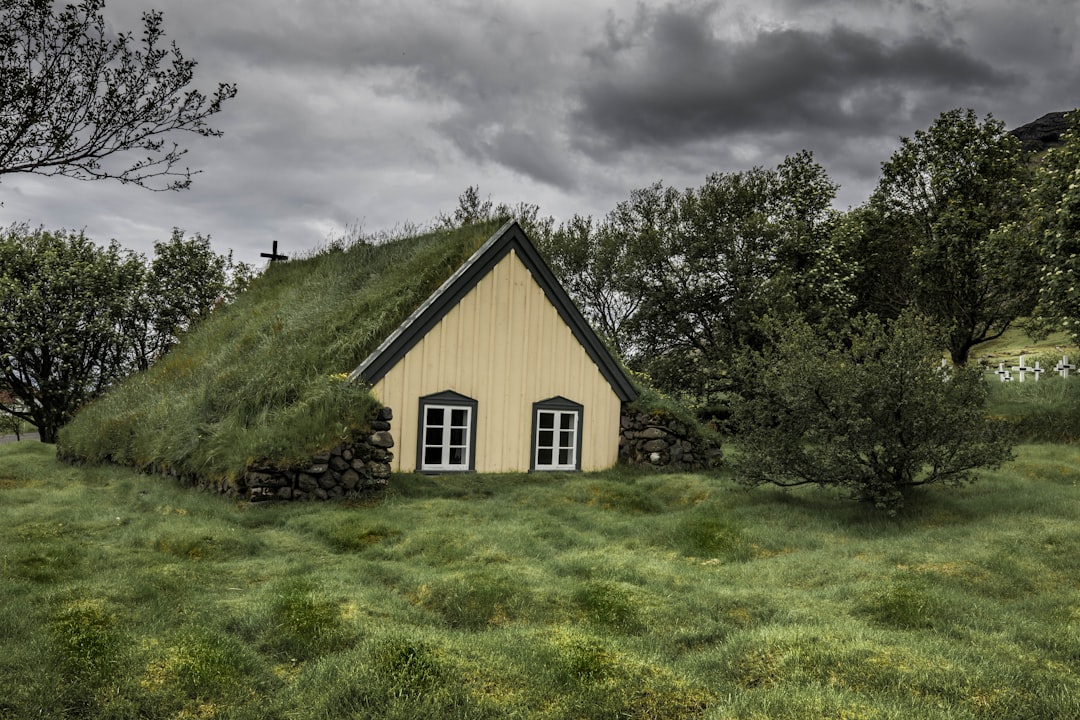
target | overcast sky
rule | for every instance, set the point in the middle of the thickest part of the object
(380, 112)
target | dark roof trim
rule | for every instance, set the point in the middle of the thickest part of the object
(509, 237)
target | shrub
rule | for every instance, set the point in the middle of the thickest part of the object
(868, 409)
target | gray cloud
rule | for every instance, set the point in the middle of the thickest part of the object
(674, 80)
(383, 112)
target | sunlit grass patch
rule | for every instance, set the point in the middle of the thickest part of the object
(506, 596)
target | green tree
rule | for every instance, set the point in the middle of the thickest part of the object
(76, 99)
(1053, 226)
(600, 272)
(182, 284)
(62, 302)
(716, 260)
(949, 195)
(868, 408)
(76, 317)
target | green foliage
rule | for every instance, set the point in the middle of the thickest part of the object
(474, 600)
(1043, 411)
(301, 625)
(868, 409)
(599, 267)
(963, 608)
(63, 300)
(77, 96)
(1053, 224)
(264, 378)
(78, 317)
(947, 199)
(678, 280)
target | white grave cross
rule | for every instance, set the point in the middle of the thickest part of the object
(1002, 373)
(1064, 367)
(1037, 371)
(1022, 368)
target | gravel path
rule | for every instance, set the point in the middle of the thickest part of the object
(25, 437)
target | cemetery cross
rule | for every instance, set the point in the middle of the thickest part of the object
(273, 254)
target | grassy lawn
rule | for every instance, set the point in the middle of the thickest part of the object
(557, 596)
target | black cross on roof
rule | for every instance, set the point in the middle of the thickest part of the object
(273, 254)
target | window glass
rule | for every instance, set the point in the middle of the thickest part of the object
(446, 437)
(556, 439)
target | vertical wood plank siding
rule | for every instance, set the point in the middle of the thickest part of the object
(504, 345)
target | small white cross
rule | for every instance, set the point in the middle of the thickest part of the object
(1021, 368)
(1002, 373)
(1064, 367)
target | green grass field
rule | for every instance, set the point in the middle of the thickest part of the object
(617, 595)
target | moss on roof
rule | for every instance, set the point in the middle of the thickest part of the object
(263, 379)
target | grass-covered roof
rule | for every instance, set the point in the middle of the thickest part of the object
(264, 378)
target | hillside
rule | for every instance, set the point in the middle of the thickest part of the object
(1043, 133)
(263, 379)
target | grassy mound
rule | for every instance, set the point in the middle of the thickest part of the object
(263, 379)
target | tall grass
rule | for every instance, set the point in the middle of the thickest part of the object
(618, 594)
(263, 378)
(1047, 410)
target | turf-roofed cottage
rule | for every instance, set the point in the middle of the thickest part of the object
(471, 356)
(497, 371)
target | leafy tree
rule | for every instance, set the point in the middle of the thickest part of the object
(472, 209)
(183, 283)
(62, 302)
(868, 408)
(1053, 225)
(948, 196)
(599, 270)
(714, 261)
(75, 317)
(74, 100)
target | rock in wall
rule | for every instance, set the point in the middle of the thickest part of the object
(659, 440)
(355, 468)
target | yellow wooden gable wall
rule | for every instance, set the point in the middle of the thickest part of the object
(505, 346)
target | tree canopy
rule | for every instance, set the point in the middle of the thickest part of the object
(946, 199)
(867, 408)
(1053, 227)
(75, 317)
(77, 102)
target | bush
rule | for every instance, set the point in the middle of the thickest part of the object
(869, 409)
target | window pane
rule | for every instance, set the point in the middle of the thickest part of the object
(566, 421)
(433, 436)
(545, 438)
(566, 457)
(543, 457)
(434, 416)
(457, 456)
(566, 438)
(458, 418)
(547, 419)
(433, 456)
(457, 436)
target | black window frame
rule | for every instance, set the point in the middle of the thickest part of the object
(557, 404)
(452, 400)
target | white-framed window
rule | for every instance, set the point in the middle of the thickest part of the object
(556, 441)
(447, 433)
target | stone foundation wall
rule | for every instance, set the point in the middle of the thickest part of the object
(661, 441)
(355, 468)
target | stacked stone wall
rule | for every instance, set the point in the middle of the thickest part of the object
(356, 468)
(659, 440)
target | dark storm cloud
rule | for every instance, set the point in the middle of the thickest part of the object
(668, 78)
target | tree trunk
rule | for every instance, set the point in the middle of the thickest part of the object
(960, 355)
(47, 433)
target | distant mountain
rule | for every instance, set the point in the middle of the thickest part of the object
(1043, 133)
